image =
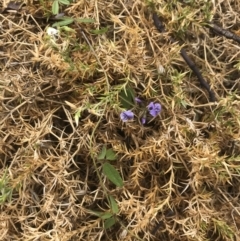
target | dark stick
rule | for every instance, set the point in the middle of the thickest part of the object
(197, 72)
(190, 63)
(224, 32)
(158, 24)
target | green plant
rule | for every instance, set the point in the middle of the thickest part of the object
(5, 189)
(64, 21)
(109, 217)
(223, 229)
(109, 171)
(56, 4)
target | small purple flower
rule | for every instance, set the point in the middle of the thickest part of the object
(126, 115)
(154, 109)
(143, 120)
(137, 100)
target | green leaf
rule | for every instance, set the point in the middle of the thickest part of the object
(108, 223)
(102, 154)
(106, 215)
(77, 116)
(111, 155)
(99, 31)
(85, 20)
(127, 98)
(55, 7)
(65, 21)
(65, 2)
(114, 206)
(67, 29)
(112, 174)
(102, 215)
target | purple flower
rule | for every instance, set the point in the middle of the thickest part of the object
(126, 115)
(143, 120)
(137, 100)
(154, 109)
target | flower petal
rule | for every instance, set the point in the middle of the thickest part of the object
(153, 113)
(143, 120)
(137, 100)
(126, 115)
(150, 106)
(154, 109)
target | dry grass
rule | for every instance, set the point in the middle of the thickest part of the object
(180, 171)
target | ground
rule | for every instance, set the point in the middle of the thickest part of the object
(106, 133)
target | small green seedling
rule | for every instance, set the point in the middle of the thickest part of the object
(107, 154)
(108, 217)
(109, 170)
